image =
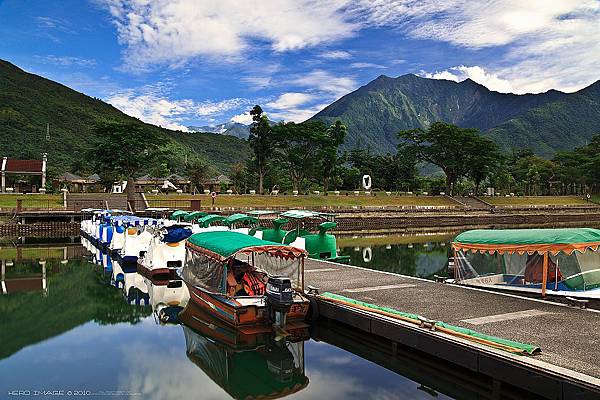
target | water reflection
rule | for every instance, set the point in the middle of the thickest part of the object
(98, 324)
(420, 255)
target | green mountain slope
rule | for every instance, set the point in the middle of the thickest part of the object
(375, 112)
(559, 125)
(28, 102)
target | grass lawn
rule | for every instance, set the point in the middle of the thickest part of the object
(536, 201)
(31, 200)
(257, 201)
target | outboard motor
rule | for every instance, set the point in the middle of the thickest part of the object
(280, 297)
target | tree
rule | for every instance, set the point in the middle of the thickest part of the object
(483, 157)
(261, 142)
(299, 147)
(449, 147)
(197, 171)
(122, 150)
(336, 134)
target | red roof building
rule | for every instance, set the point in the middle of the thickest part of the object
(12, 166)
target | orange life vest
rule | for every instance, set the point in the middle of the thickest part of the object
(253, 285)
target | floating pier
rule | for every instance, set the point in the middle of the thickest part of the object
(568, 366)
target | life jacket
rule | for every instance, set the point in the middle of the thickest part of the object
(534, 269)
(253, 285)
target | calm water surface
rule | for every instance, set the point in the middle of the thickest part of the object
(80, 324)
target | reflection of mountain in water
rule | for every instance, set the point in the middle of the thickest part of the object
(76, 294)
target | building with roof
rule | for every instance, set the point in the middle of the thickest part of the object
(168, 183)
(22, 175)
(78, 184)
(215, 184)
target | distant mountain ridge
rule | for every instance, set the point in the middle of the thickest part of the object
(230, 128)
(546, 122)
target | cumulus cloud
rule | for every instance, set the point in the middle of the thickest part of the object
(542, 44)
(289, 100)
(168, 30)
(477, 74)
(152, 105)
(243, 118)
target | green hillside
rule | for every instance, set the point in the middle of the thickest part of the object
(28, 102)
(559, 125)
(375, 112)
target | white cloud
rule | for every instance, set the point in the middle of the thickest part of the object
(336, 55)
(66, 61)
(362, 65)
(541, 44)
(167, 30)
(152, 105)
(290, 100)
(243, 118)
(477, 74)
(326, 82)
(296, 114)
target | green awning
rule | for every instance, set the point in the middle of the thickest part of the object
(195, 215)
(209, 219)
(227, 243)
(178, 214)
(541, 240)
(240, 219)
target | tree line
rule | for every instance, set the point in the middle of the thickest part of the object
(307, 156)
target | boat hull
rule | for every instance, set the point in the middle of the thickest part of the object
(158, 276)
(247, 318)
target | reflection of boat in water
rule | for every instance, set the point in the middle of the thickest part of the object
(23, 282)
(555, 262)
(246, 366)
(167, 299)
(247, 282)
(135, 289)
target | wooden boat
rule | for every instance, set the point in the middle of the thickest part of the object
(244, 281)
(548, 262)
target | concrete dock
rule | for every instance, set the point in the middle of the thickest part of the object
(568, 366)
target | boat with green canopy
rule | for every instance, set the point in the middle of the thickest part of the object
(245, 281)
(551, 262)
(241, 223)
(178, 215)
(194, 215)
(320, 244)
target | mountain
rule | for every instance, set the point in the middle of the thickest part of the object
(227, 128)
(28, 102)
(545, 122)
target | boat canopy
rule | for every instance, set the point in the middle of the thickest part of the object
(240, 219)
(210, 254)
(178, 214)
(209, 219)
(301, 214)
(194, 215)
(175, 233)
(541, 241)
(222, 245)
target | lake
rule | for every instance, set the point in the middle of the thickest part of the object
(75, 323)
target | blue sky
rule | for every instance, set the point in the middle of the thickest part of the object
(177, 63)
